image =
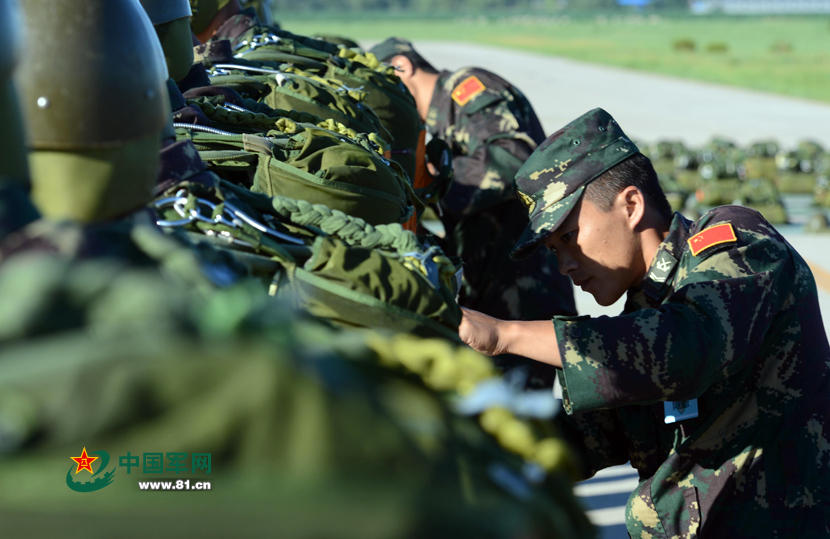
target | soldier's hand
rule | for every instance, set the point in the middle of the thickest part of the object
(534, 339)
(480, 332)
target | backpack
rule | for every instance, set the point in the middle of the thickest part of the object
(333, 265)
(307, 162)
(297, 91)
(346, 70)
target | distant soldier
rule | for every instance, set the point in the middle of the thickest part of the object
(714, 381)
(492, 129)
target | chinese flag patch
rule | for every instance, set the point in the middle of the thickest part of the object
(714, 235)
(467, 90)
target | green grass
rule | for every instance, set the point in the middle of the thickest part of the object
(784, 55)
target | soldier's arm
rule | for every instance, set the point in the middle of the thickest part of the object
(596, 435)
(532, 339)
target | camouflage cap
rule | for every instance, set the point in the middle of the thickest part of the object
(391, 46)
(553, 178)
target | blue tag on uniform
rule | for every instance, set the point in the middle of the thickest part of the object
(674, 411)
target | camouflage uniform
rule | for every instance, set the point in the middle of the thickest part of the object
(726, 320)
(738, 328)
(491, 134)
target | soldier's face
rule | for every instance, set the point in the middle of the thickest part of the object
(599, 250)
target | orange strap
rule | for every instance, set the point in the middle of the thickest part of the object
(422, 177)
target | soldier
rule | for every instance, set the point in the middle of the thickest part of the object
(492, 129)
(714, 380)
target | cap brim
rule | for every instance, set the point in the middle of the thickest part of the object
(544, 222)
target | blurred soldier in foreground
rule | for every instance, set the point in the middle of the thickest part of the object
(491, 129)
(714, 380)
(296, 427)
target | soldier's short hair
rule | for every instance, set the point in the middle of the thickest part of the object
(637, 171)
(395, 46)
(419, 62)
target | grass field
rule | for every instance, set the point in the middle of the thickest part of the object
(783, 55)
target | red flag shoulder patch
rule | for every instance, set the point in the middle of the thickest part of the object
(467, 90)
(714, 235)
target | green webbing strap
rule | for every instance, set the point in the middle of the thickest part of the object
(352, 230)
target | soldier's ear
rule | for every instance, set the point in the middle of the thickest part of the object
(403, 66)
(633, 203)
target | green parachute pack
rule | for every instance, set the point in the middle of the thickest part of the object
(326, 262)
(346, 70)
(297, 91)
(308, 162)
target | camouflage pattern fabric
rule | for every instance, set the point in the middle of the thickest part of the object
(491, 129)
(303, 425)
(728, 315)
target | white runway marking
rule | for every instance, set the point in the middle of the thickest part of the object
(614, 471)
(600, 488)
(608, 516)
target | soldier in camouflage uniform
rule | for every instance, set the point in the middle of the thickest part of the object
(491, 129)
(714, 380)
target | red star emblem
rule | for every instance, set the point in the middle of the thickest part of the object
(84, 462)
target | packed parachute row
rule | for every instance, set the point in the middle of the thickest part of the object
(758, 176)
(262, 289)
